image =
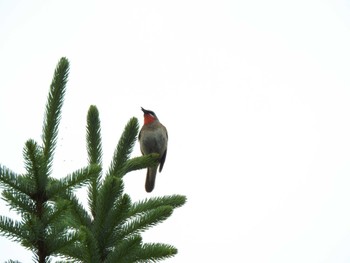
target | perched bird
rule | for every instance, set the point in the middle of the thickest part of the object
(153, 138)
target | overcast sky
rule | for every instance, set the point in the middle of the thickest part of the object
(254, 94)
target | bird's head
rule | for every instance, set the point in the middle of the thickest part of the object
(149, 116)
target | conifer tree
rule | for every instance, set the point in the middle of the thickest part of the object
(37, 196)
(111, 230)
(53, 222)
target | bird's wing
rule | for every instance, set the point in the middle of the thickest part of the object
(140, 134)
(162, 161)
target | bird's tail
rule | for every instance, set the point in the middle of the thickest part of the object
(151, 178)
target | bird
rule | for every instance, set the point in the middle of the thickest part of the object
(153, 138)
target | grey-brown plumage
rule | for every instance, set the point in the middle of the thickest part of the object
(153, 138)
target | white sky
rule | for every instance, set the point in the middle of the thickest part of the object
(254, 94)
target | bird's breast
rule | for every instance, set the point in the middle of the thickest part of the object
(153, 141)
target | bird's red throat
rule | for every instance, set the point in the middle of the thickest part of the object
(148, 118)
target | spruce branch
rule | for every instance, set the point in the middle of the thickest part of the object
(124, 147)
(61, 239)
(153, 252)
(138, 163)
(10, 180)
(93, 136)
(19, 201)
(12, 229)
(77, 178)
(53, 111)
(114, 219)
(56, 212)
(33, 159)
(94, 148)
(91, 251)
(141, 222)
(72, 254)
(31, 155)
(145, 205)
(108, 195)
(77, 215)
(126, 250)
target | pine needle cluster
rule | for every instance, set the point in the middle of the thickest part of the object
(53, 221)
